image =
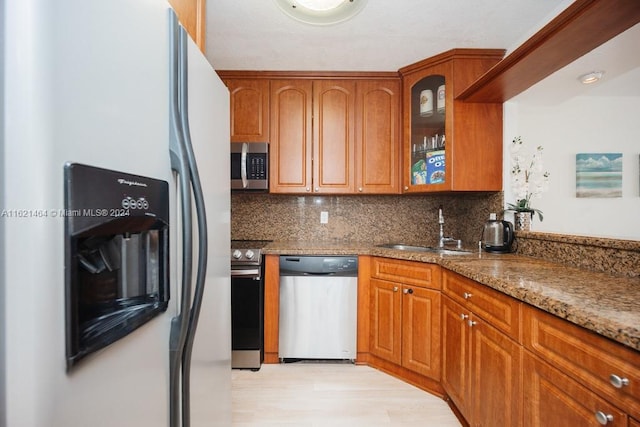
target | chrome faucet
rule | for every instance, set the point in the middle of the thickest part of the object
(444, 240)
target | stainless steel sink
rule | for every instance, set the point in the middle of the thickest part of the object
(403, 247)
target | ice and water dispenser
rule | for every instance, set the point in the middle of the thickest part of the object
(117, 255)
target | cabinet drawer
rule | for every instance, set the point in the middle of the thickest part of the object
(555, 400)
(407, 272)
(498, 309)
(585, 356)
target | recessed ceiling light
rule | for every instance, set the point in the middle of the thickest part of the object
(591, 77)
(321, 12)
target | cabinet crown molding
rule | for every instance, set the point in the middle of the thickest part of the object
(310, 75)
(496, 54)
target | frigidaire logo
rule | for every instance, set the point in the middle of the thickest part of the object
(130, 183)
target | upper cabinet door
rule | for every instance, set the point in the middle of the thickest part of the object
(291, 138)
(249, 101)
(378, 137)
(333, 136)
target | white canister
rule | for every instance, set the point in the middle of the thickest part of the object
(440, 100)
(426, 103)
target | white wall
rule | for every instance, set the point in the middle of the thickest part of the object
(588, 123)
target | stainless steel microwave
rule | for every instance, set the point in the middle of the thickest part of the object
(249, 166)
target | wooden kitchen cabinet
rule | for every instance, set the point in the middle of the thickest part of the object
(421, 330)
(481, 360)
(405, 315)
(312, 136)
(500, 310)
(470, 157)
(555, 400)
(329, 133)
(291, 138)
(249, 102)
(333, 162)
(456, 356)
(607, 369)
(271, 308)
(378, 137)
(386, 320)
(335, 136)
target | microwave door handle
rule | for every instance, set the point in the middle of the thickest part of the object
(243, 165)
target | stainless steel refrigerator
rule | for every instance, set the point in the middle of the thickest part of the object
(112, 84)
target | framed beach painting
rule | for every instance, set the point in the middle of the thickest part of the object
(599, 175)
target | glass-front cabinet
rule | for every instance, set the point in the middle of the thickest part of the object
(428, 131)
(449, 145)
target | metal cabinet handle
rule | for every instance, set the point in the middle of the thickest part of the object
(618, 382)
(317, 189)
(408, 291)
(467, 295)
(603, 418)
(360, 189)
(464, 316)
(471, 323)
(307, 189)
(395, 289)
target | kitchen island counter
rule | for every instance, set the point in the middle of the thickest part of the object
(606, 304)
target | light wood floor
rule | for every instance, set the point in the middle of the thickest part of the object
(332, 394)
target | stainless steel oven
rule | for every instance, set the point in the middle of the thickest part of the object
(249, 166)
(247, 304)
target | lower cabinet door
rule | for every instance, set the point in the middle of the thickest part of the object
(552, 399)
(481, 369)
(456, 355)
(421, 331)
(496, 377)
(386, 320)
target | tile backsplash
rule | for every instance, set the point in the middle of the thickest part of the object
(409, 219)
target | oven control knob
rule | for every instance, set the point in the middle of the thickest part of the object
(236, 254)
(249, 254)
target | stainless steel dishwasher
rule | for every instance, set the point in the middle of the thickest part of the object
(318, 307)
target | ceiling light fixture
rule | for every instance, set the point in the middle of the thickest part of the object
(591, 77)
(321, 12)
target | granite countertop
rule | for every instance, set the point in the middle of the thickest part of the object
(606, 304)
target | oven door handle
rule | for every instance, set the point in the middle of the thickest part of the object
(254, 272)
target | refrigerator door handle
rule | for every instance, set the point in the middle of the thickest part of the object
(179, 163)
(201, 271)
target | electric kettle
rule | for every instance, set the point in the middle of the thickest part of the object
(497, 236)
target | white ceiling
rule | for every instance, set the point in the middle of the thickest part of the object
(390, 34)
(385, 36)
